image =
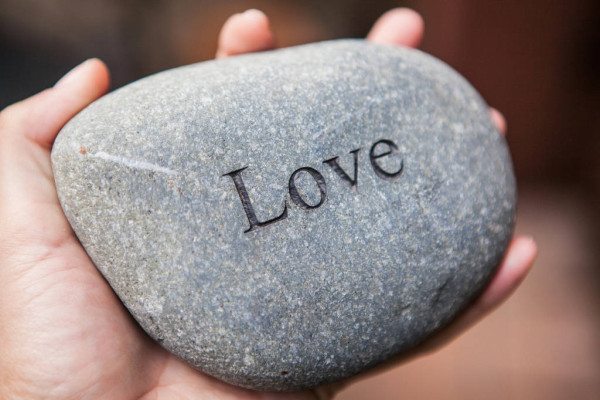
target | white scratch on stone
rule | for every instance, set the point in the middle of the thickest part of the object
(131, 163)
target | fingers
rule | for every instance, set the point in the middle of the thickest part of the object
(400, 26)
(405, 27)
(245, 33)
(250, 32)
(39, 118)
(27, 131)
(498, 120)
(513, 269)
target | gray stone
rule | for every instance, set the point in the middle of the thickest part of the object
(210, 198)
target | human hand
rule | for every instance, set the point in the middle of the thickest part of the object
(63, 332)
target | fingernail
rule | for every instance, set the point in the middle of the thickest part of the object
(71, 76)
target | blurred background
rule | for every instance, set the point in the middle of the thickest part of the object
(538, 61)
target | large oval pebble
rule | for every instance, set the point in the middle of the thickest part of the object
(290, 218)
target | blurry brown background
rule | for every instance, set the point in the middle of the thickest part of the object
(537, 61)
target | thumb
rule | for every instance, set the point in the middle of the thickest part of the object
(29, 208)
(40, 117)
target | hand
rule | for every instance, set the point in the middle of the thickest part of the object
(63, 332)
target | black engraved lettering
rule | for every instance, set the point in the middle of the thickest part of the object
(247, 204)
(295, 196)
(332, 162)
(373, 156)
(379, 149)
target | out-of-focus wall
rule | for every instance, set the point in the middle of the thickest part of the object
(535, 60)
(40, 38)
(538, 62)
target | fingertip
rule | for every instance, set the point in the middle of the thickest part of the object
(526, 251)
(399, 26)
(413, 21)
(258, 24)
(256, 17)
(499, 120)
(51, 109)
(101, 74)
(92, 69)
(512, 271)
(247, 32)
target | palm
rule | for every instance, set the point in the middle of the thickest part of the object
(70, 335)
(63, 332)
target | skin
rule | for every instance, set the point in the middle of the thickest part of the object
(63, 332)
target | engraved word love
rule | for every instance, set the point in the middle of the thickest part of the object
(379, 149)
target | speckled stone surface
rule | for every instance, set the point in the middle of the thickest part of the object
(210, 198)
